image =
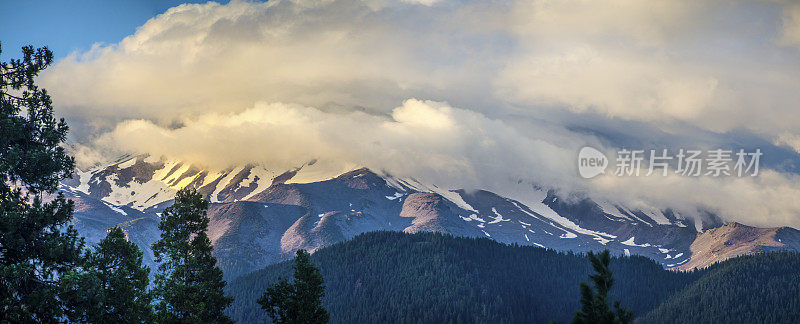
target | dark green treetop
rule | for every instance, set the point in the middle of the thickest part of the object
(298, 302)
(189, 285)
(36, 243)
(594, 305)
(112, 286)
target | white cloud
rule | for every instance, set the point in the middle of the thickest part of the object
(423, 2)
(618, 85)
(423, 139)
(790, 32)
(766, 200)
(498, 83)
(645, 22)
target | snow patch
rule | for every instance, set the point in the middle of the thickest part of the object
(395, 196)
(635, 218)
(115, 208)
(601, 240)
(698, 224)
(83, 178)
(224, 183)
(456, 198)
(630, 242)
(127, 164)
(612, 210)
(568, 235)
(472, 217)
(315, 171)
(534, 202)
(656, 215)
(177, 174)
(265, 178)
(499, 217)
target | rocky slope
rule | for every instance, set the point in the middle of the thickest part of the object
(733, 239)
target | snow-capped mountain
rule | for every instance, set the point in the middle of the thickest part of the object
(260, 216)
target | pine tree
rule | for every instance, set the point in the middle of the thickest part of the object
(112, 287)
(189, 285)
(37, 246)
(594, 305)
(298, 302)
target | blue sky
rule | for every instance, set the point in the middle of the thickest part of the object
(66, 26)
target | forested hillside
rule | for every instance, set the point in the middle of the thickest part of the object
(760, 288)
(428, 277)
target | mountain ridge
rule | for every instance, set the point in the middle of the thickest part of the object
(260, 216)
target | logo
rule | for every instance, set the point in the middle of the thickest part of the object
(591, 162)
(681, 162)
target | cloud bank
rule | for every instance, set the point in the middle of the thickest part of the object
(468, 94)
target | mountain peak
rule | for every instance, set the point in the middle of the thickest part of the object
(361, 178)
(736, 225)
